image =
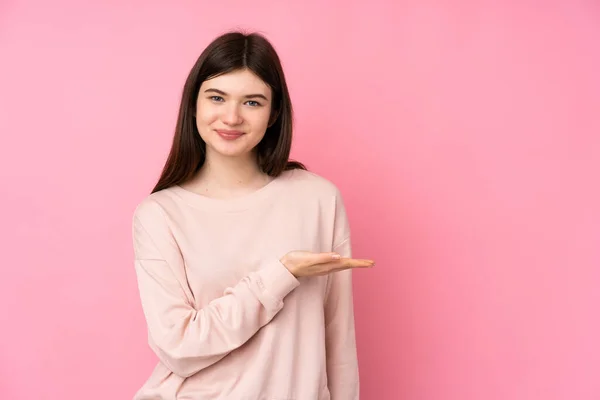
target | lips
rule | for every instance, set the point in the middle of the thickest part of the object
(229, 134)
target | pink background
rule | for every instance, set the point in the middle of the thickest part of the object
(465, 137)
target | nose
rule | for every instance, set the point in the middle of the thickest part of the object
(231, 115)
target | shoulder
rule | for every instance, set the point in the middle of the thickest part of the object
(311, 182)
(152, 207)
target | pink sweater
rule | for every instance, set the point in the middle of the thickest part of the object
(225, 318)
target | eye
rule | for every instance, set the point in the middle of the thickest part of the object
(216, 98)
(253, 103)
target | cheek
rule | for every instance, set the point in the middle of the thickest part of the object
(206, 115)
(260, 120)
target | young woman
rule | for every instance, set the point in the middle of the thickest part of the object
(243, 257)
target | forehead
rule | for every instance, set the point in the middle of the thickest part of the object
(239, 82)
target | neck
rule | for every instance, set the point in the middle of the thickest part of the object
(223, 177)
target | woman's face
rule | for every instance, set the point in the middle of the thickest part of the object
(232, 113)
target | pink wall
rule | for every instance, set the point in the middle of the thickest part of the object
(465, 137)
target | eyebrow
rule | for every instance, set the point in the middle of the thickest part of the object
(248, 96)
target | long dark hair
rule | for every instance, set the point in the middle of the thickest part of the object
(229, 52)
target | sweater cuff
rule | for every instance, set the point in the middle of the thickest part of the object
(277, 280)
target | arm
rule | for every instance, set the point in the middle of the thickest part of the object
(185, 339)
(342, 361)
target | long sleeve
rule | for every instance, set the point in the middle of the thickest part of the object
(342, 361)
(184, 338)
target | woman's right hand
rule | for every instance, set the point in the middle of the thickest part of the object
(305, 263)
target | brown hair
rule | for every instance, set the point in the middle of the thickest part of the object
(229, 52)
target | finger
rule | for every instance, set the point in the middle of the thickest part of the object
(341, 267)
(346, 263)
(357, 261)
(358, 264)
(361, 265)
(360, 259)
(322, 258)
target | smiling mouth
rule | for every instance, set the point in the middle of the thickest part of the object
(229, 135)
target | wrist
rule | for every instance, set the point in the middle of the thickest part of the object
(285, 263)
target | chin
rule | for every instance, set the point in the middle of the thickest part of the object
(231, 151)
